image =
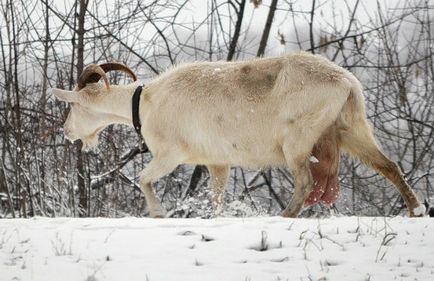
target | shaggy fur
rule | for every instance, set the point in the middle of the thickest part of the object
(260, 113)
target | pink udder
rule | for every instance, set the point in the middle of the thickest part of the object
(325, 191)
(325, 172)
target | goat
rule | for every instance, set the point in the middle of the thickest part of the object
(260, 113)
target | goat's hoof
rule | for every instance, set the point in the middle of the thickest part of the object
(218, 212)
(157, 214)
(289, 214)
(418, 212)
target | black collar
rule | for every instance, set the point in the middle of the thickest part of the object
(136, 118)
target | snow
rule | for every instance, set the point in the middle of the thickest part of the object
(272, 248)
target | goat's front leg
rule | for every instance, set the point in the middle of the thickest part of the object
(218, 178)
(303, 186)
(156, 169)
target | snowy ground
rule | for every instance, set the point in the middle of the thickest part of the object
(347, 248)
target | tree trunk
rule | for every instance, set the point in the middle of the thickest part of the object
(266, 33)
(42, 106)
(82, 198)
(234, 41)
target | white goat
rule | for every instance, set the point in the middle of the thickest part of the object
(259, 113)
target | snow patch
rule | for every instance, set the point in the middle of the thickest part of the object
(230, 249)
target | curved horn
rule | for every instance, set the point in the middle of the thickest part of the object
(92, 74)
(120, 67)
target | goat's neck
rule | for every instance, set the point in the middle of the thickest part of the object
(117, 103)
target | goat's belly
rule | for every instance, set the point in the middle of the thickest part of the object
(260, 160)
(255, 158)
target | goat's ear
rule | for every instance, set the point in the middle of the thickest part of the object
(63, 95)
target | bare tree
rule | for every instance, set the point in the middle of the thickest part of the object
(44, 45)
(267, 28)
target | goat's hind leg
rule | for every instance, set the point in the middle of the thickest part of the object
(390, 170)
(156, 169)
(303, 187)
(297, 157)
(360, 142)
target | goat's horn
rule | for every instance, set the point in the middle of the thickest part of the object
(120, 67)
(92, 74)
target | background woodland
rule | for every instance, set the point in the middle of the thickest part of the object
(388, 45)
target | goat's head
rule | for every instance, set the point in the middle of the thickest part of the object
(87, 117)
